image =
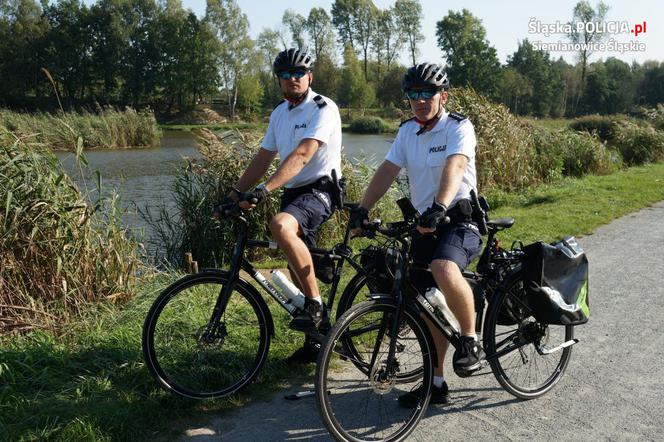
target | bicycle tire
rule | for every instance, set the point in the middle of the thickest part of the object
(177, 356)
(523, 372)
(358, 290)
(337, 378)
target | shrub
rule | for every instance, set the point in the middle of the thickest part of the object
(654, 115)
(639, 145)
(603, 127)
(506, 157)
(369, 125)
(57, 252)
(568, 153)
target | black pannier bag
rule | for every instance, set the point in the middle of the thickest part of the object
(380, 263)
(556, 282)
(323, 267)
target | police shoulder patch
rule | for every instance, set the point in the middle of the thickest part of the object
(406, 121)
(278, 104)
(457, 116)
(320, 101)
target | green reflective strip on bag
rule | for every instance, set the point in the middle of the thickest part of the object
(583, 300)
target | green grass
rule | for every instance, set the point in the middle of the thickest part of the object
(91, 383)
(578, 206)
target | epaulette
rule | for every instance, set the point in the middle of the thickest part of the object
(278, 104)
(320, 101)
(457, 116)
(406, 121)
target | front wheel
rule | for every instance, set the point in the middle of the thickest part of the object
(196, 357)
(360, 289)
(516, 340)
(357, 395)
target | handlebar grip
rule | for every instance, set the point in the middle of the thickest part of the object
(253, 200)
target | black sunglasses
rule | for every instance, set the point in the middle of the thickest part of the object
(287, 75)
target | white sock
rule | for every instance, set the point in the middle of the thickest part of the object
(438, 381)
(318, 300)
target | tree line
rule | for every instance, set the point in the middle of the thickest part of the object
(155, 53)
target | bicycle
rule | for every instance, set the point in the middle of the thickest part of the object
(357, 395)
(207, 335)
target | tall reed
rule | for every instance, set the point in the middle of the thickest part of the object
(106, 128)
(58, 252)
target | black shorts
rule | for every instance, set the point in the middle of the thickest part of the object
(459, 243)
(310, 209)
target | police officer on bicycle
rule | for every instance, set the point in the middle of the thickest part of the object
(437, 148)
(305, 131)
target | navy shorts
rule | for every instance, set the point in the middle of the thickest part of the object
(459, 243)
(310, 209)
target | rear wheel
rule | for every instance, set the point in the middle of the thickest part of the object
(358, 400)
(195, 358)
(522, 366)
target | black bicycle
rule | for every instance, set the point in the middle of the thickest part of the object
(207, 335)
(357, 393)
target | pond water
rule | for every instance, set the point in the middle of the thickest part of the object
(143, 177)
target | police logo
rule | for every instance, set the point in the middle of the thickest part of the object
(438, 148)
(300, 126)
(323, 197)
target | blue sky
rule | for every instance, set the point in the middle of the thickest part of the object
(506, 22)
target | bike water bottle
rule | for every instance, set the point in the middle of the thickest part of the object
(293, 294)
(437, 299)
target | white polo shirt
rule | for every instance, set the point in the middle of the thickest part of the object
(288, 127)
(424, 157)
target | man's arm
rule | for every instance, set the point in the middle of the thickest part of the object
(255, 171)
(293, 163)
(450, 181)
(380, 183)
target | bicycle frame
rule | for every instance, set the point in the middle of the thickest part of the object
(338, 253)
(481, 282)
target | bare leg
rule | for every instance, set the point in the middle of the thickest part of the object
(441, 343)
(458, 294)
(285, 228)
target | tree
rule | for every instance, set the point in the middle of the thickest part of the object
(471, 60)
(319, 28)
(296, 24)
(537, 68)
(515, 88)
(356, 22)
(586, 15)
(651, 87)
(354, 91)
(326, 76)
(231, 28)
(596, 92)
(622, 88)
(22, 28)
(67, 53)
(343, 20)
(268, 45)
(409, 17)
(388, 38)
(388, 89)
